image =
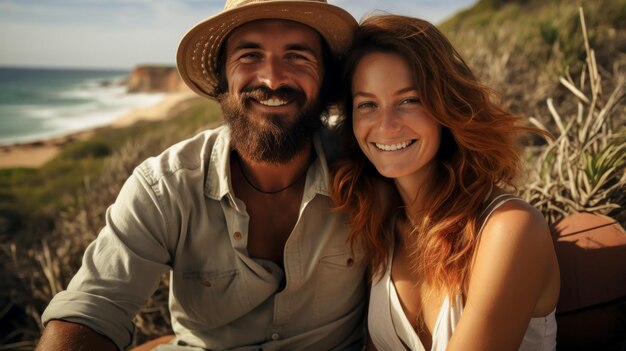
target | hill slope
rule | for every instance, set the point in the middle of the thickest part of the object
(521, 47)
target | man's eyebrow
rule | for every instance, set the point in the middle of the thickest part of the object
(300, 47)
(253, 45)
(246, 45)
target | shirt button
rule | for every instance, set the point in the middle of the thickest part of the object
(350, 262)
(237, 236)
(275, 336)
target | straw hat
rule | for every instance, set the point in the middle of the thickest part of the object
(199, 48)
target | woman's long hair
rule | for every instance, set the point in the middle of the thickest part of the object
(478, 152)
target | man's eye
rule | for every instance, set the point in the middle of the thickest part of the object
(250, 56)
(294, 56)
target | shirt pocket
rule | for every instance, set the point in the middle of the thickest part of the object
(339, 284)
(213, 298)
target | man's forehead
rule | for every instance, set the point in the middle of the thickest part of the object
(259, 30)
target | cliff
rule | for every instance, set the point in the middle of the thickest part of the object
(152, 79)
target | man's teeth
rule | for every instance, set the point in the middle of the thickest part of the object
(273, 102)
(394, 147)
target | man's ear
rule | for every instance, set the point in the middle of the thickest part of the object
(222, 82)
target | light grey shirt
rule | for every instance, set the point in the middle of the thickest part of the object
(178, 211)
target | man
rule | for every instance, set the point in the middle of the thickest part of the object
(239, 214)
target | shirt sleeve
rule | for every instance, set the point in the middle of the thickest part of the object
(122, 268)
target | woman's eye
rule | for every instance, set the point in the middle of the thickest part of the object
(411, 101)
(365, 105)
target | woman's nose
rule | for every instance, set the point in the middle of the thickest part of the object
(389, 120)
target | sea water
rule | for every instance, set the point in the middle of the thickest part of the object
(37, 103)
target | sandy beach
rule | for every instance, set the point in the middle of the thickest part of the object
(35, 154)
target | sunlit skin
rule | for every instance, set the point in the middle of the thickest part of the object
(274, 53)
(391, 125)
(514, 275)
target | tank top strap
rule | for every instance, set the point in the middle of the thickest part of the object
(493, 205)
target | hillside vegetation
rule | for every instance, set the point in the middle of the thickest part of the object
(521, 47)
(569, 79)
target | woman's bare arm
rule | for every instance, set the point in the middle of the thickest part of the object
(513, 266)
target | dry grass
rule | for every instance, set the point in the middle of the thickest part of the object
(584, 168)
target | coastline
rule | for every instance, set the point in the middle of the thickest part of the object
(36, 153)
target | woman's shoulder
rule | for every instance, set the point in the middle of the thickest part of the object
(502, 205)
(506, 208)
(513, 221)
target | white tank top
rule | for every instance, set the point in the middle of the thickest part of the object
(390, 329)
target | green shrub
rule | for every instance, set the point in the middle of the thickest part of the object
(549, 33)
(95, 148)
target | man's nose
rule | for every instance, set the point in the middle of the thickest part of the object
(272, 73)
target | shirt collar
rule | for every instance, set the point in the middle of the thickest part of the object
(218, 182)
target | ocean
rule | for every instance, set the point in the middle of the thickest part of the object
(38, 103)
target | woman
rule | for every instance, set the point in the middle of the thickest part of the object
(462, 264)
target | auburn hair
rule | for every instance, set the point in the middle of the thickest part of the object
(478, 152)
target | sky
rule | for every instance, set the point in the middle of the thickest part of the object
(121, 34)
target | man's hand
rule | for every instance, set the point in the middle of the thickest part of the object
(66, 336)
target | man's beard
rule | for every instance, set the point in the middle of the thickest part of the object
(280, 138)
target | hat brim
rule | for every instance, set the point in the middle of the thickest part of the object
(198, 50)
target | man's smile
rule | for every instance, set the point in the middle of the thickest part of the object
(273, 102)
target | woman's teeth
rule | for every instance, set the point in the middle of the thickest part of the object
(394, 147)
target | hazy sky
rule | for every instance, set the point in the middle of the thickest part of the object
(124, 33)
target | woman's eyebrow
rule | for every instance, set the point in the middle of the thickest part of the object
(399, 92)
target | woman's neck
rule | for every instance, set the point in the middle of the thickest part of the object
(413, 188)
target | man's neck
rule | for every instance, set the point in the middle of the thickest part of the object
(271, 177)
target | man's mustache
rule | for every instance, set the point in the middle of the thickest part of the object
(261, 93)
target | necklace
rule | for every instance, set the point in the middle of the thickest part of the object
(243, 173)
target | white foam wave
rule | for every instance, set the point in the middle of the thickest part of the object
(102, 112)
(101, 107)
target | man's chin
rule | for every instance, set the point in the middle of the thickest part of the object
(266, 119)
(273, 120)
(270, 137)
